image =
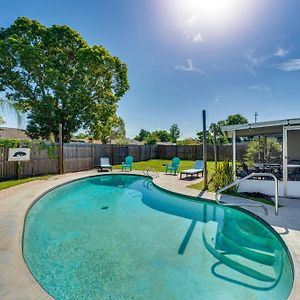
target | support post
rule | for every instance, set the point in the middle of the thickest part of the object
(204, 149)
(61, 149)
(284, 161)
(234, 154)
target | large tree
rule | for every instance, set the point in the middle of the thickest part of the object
(143, 134)
(112, 128)
(118, 129)
(54, 76)
(220, 137)
(174, 133)
(235, 119)
(162, 135)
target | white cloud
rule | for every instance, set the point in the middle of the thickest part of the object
(281, 52)
(194, 36)
(188, 22)
(197, 37)
(289, 66)
(251, 61)
(189, 30)
(189, 67)
(261, 88)
(217, 99)
(249, 55)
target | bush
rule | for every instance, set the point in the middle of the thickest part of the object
(152, 139)
(223, 176)
(121, 141)
(188, 141)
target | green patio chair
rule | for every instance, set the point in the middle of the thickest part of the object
(173, 167)
(128, 163)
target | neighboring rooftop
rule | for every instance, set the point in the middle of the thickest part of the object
(13, 133)
(259, 128)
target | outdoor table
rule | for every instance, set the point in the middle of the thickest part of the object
(273, 168)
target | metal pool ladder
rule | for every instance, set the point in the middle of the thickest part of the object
(151, 173)
(237, 183)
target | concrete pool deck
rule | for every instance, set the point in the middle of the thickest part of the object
(16, 281)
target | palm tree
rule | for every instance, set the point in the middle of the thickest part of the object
(7, 107)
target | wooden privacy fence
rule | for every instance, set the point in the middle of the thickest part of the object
(80, 157)
(193, 152)
(117, 153)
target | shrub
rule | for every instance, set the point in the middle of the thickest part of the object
(152, 139)
(223, 176)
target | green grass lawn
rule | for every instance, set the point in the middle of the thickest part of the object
(157, 165)
(200, 185)
(10, 183)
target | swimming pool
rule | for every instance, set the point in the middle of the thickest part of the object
(121, 237)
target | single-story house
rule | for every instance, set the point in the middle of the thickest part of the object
(288, 132)
(13, 133)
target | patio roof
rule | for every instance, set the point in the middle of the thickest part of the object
(259, 128)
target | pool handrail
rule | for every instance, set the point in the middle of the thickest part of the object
(151, 173)
(237, 183)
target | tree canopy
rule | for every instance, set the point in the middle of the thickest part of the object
(159, 135)
(174, 133)
(235, 119)
(53, 75)
(143, 134)
(162, 135)
(220, 137)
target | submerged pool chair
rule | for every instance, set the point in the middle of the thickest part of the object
(128, 163)
(173, 167)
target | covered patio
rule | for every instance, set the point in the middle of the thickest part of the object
(287, 166)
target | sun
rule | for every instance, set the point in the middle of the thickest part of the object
(214, 13)
(217, 9)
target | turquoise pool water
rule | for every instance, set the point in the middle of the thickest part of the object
(120, 237)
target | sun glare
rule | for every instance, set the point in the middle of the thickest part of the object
(216, 9)
(213, 13)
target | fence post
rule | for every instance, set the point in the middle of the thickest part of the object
(112, 153)
(61, 150)
(93, 156)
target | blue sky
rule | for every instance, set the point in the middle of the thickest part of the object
(185, 56)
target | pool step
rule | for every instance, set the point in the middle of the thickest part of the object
(262, 239)
(257, 255)
(245, 232)
(240, 263)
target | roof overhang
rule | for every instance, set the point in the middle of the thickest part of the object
(273, 128)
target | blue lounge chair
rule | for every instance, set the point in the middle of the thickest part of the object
(198, 168)
(173, 167)
(128, 163)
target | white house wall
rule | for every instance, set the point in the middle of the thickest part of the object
(267, 187)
